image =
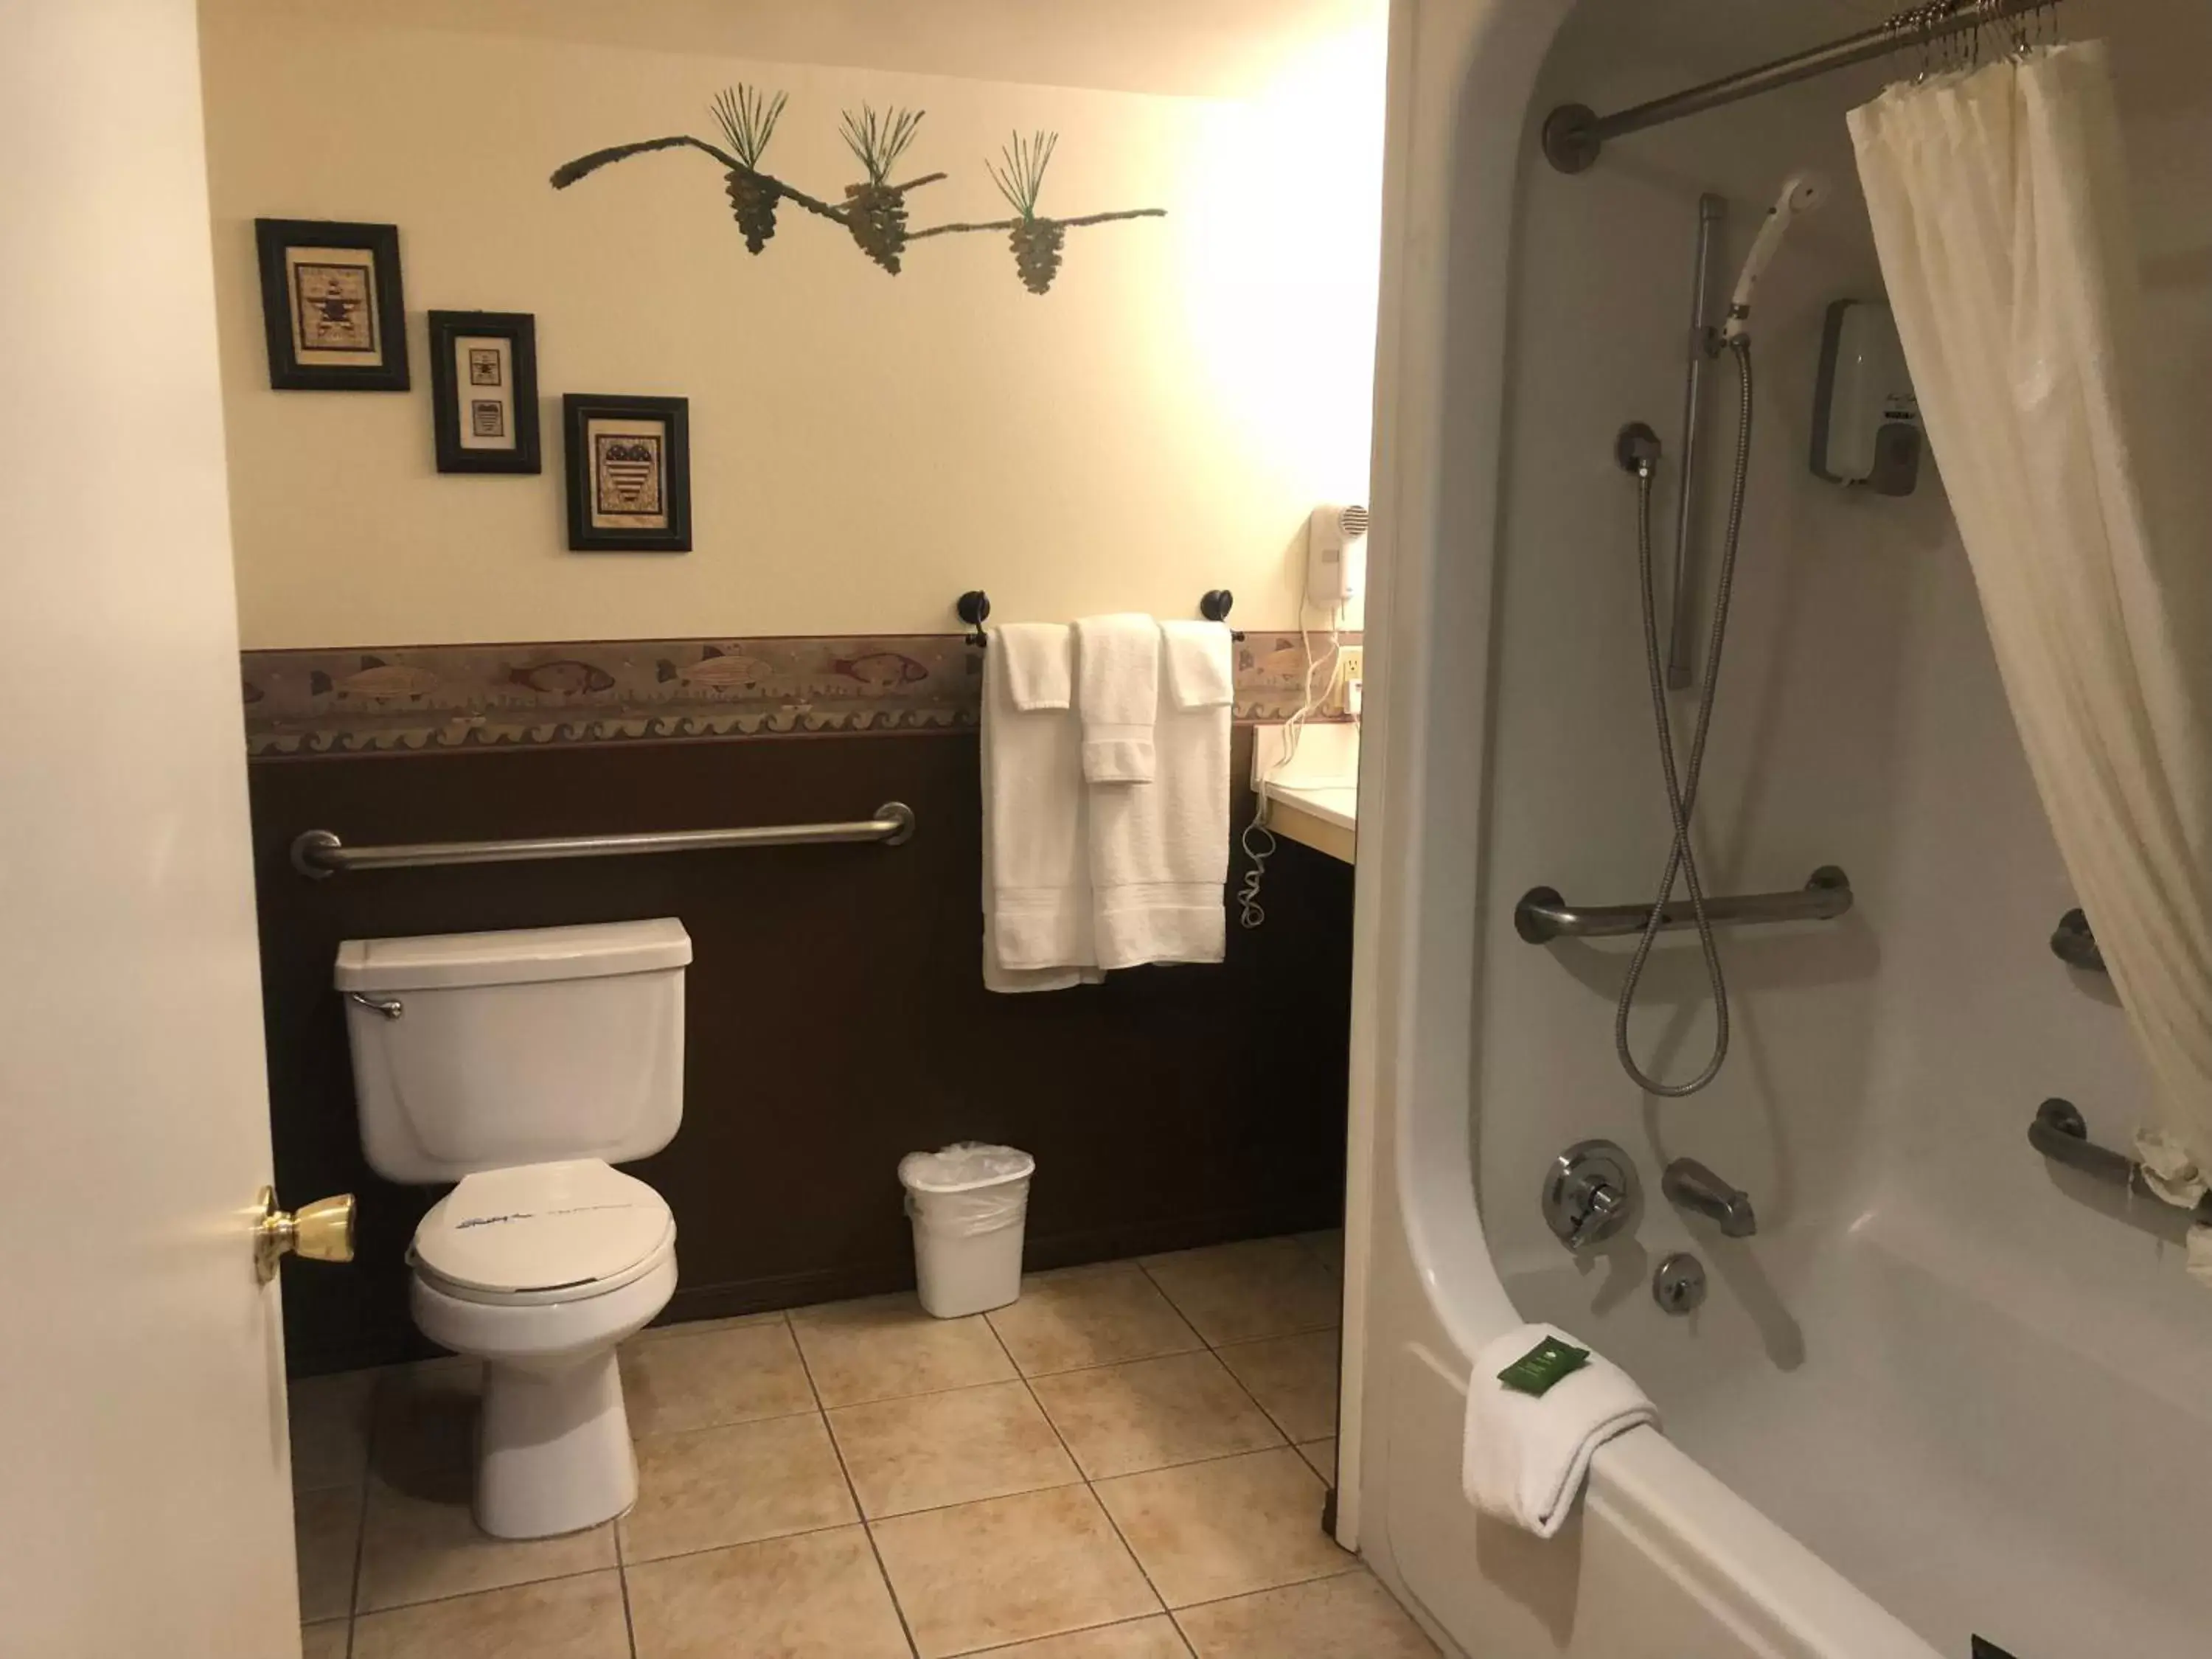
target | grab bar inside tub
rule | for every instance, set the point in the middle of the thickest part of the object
(2061, 1135)
(1542, 915)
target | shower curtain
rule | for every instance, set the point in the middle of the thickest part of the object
(1999, 208)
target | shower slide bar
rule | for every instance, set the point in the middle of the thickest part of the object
(2061, 1135)
(1542, 915)
(320, 853)
(1574, 134)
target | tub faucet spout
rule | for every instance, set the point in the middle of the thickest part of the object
(1690, 1185)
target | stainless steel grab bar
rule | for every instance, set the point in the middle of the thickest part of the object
(1542, 915)
(2061, 1135)
(319, 852)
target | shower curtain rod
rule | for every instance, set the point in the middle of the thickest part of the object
(1575, 133)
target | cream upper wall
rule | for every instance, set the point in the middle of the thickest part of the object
(864, 447)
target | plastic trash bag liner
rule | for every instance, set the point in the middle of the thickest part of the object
(967, 1188)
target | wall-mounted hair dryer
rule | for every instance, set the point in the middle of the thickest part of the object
(1336, 556)
(1802, 192)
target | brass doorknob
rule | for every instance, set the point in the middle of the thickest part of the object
(321, 1231)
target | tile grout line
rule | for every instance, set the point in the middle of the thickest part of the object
(1089, 1485)
(375, 1405)
(867, 1531)
(622, 1565)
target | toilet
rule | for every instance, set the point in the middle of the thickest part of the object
(521, 1066)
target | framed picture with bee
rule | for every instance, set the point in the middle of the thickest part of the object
(484, 390)
(629, 473)
(331, 305)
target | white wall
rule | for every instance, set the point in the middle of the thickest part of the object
(864, 447)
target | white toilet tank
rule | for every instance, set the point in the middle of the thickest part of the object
(479, 1051)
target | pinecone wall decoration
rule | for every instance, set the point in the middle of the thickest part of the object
(1037, 242)
(748, 121)
(875, 210)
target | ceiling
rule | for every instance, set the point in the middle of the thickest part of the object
(1191, 48)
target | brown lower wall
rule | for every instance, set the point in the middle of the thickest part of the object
(837, 1019)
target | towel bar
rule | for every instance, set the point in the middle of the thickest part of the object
(319, 852)
(1542, 915)
(2061, 1135)
(974, 608)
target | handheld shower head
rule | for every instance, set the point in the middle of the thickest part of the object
(1802, 192)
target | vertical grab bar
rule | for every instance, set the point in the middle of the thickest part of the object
(1682, 638)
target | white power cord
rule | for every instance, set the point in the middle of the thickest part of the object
(1249, 912)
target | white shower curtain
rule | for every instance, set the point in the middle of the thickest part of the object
(1999, 208)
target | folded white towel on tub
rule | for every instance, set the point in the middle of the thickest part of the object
(1117, 673)
(1525, 1455)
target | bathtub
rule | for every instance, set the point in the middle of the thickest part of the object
(1940, 1395)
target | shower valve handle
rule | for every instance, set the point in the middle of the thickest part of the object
(1589, 1194)
(1604, 1204)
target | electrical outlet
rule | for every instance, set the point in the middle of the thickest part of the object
(1351, 675)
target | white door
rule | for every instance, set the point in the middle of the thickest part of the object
(145, 1505)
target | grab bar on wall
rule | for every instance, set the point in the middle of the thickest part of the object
(319, 852)
(1542, 915)
(2059, 1133)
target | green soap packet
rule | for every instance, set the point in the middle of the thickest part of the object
(1537, 1370)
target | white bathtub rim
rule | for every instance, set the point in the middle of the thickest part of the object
(1772, 1591)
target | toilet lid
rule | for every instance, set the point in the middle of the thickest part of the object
(542, 1227)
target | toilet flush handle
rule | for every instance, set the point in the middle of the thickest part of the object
(390, 1007)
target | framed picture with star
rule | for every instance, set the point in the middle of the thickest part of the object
(629, 473)
(331, 304)
(484, 390)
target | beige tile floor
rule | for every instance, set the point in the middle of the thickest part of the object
(1128, 1463)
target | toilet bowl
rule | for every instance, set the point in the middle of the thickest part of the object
(540, 1272)
(522, 1066)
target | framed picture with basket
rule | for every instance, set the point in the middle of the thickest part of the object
(629, 473)
(484, 390)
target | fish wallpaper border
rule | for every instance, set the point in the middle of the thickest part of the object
(363, 699)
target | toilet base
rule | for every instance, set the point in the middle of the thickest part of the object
(553, 1451)
(553, 1447)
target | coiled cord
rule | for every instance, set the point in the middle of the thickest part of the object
(1249, 912)
(1682, 787)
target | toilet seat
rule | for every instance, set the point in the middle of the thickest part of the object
(543, 1232)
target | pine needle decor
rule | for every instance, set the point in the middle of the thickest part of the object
(873, 211)
(1037, 242)
(749, 122)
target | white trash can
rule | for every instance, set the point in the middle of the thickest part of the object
(968, 1203)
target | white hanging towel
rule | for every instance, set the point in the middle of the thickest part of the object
(1117, 666)
(1160, 853)
(1036, 878)
(1525, 1455)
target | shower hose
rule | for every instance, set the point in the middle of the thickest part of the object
(1682, 783)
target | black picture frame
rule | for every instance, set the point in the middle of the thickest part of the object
(669, 458)
(458, 409)
(372, 325)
